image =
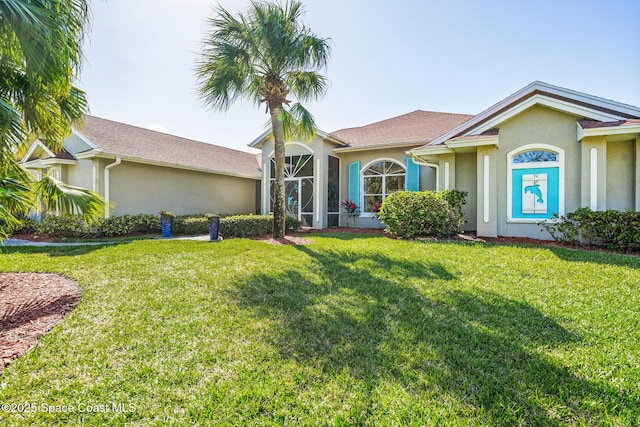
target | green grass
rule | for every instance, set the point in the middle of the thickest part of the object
(349, 330)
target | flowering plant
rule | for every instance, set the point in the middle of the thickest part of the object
(351, 210)
(167, 213)
(376, 209)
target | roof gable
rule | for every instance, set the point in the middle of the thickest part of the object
(539, 93)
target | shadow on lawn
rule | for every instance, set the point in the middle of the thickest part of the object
(599, 256)
(478, 349)
(53, 251)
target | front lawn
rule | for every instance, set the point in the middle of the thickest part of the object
(349, 330)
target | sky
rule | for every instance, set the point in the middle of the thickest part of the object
(389, 57)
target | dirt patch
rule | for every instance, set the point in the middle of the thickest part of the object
(286, 240)
(31, 304)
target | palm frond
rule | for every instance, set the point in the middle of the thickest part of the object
(306, 85)
(16, 197)
(298, 123)
(64, 198)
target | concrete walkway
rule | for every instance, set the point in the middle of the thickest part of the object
(21, 242)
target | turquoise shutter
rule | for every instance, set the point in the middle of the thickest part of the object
(413, 176)
(354, 182)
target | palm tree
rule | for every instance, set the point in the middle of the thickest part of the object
(40, 54)
(266, 55)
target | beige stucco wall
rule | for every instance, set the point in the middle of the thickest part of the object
(620, 177)
(538, 125)
(465, 180)
(139, 188)
(80, 174)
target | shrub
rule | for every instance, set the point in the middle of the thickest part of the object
(456, 199)
(66, 226)
(428, 213)
(253, 225)
(27, 225)
(190, 225)
(127, 224)
(612, 229)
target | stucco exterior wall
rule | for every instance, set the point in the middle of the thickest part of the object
(538, 125)
(80, 174)
(139, 188)
(620, 175)
(465, 178)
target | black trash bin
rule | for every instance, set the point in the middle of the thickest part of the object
(214, 228)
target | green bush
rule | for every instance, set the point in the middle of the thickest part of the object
(427, 213)
(190, 225)
(66, 226)
(253, 225)
(128, 224)
(612, 229)
(27, 225)
(456, 199)
(291, 223)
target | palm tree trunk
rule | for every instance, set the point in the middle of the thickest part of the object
(278, 187)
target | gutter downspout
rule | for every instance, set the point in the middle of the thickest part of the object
(107, 209)
(430, 165)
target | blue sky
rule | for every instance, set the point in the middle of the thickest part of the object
(388, 58)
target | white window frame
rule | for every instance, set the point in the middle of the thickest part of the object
(384, 196)
(559, 163)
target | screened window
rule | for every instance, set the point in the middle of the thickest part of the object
(333, 189)
(378, 181)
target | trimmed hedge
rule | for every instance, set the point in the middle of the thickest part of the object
(427, 213)
(230, 226)
(611, 229)
(128, 224)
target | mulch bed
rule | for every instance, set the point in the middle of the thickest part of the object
(31, 304)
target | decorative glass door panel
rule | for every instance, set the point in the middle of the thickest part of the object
(292, 196)
(298, 188)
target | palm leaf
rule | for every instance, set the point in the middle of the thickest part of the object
(57, 196)
(298, 123)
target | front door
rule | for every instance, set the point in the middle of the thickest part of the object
(298, 193)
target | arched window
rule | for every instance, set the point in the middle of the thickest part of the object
(535, 183)
(379, 179)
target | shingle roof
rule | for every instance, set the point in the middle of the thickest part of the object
(418, 127)
(593, 124)
(131, 142)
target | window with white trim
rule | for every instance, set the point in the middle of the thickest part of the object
(380, 179)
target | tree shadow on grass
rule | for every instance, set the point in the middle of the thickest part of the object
(595, 255)
(68, 250)
(480, 349)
